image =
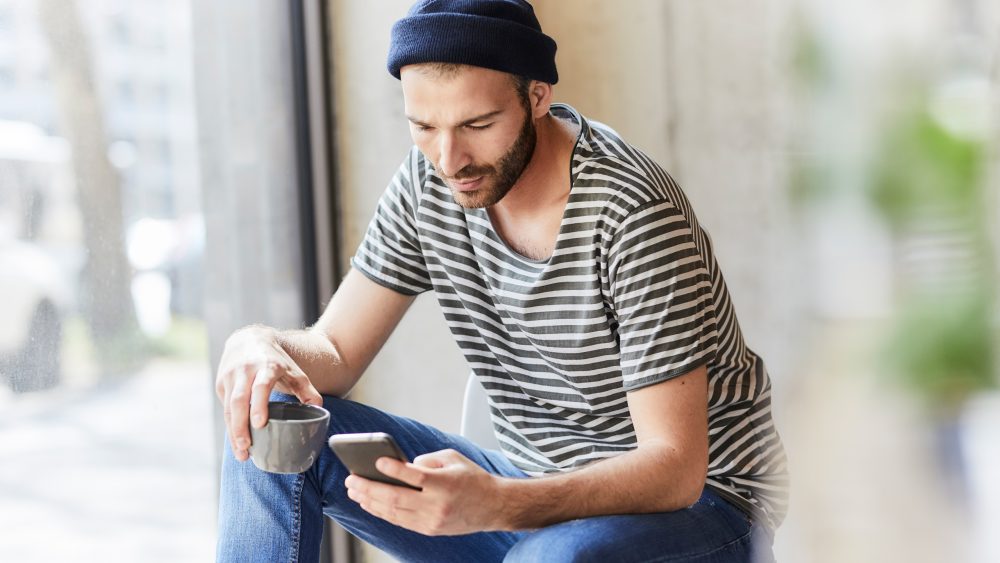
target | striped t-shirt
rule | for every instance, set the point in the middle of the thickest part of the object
(631, 296)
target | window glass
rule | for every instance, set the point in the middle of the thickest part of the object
(106, 405)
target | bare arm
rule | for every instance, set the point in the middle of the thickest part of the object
(327, 358)
(665, 472)
(355, 325)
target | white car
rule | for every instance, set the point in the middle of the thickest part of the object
(34, 295)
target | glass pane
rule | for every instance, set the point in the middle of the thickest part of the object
(106, 419)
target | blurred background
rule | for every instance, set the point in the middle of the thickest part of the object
(171, 170)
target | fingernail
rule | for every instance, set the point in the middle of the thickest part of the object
(243, 443)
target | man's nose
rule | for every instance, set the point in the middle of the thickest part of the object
(453, 156)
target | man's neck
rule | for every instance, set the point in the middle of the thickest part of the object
(528, 218)
(545, 180)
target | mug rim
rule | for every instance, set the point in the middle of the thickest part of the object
(321, 412)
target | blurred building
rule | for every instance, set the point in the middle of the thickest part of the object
(142, 64)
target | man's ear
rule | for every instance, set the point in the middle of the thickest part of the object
(540, 96)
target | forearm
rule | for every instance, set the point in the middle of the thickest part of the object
(653, 478)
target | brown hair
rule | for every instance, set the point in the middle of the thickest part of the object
(521, 84)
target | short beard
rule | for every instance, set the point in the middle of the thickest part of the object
(505, 174)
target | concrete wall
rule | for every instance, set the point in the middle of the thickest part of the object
(702, 88)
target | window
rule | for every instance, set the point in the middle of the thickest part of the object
(143, 217)
(105, 406)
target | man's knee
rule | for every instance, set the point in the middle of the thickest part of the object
(569, 542)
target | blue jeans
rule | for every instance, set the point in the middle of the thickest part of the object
(270, 517)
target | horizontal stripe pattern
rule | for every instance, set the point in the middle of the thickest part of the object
(631, 296)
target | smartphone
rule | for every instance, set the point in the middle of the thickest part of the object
(359, 452)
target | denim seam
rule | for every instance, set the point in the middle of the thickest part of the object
(740, 539)
(296, 518)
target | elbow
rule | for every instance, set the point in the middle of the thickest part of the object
(685, 484)
(692, 481)
(690, 492)
(682, 492)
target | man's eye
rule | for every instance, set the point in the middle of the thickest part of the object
(479, 127)
(423, 128)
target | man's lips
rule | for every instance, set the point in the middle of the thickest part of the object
(467, 185)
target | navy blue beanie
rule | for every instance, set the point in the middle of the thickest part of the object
(502, 35)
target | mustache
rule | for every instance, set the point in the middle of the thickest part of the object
(471, 171)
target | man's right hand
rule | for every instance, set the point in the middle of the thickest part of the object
(253, 364)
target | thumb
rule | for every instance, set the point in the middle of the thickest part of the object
(433, 460)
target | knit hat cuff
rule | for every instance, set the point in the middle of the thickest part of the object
(474, 40)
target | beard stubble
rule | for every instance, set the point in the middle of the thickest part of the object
(500, 177)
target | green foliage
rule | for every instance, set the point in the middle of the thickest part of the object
(943, 349)
(810, 65)
(810, 179)
(187, 339)
(127, 352)
(123, 353)
(943, 341)
(923, 166)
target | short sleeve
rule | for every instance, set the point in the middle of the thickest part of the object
(390, 253)
(661, 293)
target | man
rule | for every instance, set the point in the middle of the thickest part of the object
(634, 422)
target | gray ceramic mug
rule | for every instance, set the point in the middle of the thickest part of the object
(292, 438)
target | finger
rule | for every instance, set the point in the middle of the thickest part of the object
(226, 415)
(406, 472)
(390, 512)
(367, 506)
(239, 408)
(388, 496)
(229, 435)
(225, 418)
(260, 393)
(303, 388)
(410, 519)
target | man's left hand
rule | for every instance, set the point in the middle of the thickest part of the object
(457, 496)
